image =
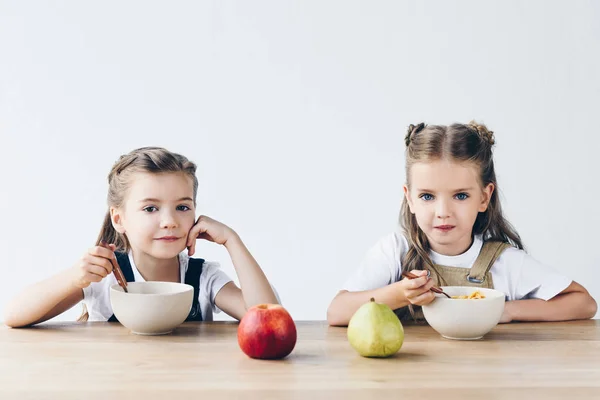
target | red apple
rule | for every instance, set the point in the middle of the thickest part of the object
(267, 331)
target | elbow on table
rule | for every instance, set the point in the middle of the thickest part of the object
(335, 314)
(334, 319)
(11, 320)
(591, 307)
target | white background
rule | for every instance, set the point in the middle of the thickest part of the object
(295, 113)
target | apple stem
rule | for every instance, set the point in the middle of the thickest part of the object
(372, 299)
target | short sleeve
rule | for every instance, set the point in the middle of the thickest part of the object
(212, 281)
(539, 281)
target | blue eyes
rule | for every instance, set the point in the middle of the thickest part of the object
(426, 197)
(429, 196)
(151, 209)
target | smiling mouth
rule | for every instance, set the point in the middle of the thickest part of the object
(168, 238)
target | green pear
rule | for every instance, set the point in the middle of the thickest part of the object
(375, 331)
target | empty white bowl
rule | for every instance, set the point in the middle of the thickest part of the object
(152, 308)
(464, 319)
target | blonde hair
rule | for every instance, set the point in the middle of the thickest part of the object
(153, 160)
(463, 143)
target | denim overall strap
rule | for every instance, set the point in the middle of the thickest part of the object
(123, 260)
(192, 278)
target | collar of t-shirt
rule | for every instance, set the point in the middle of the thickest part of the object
(139, 278)
(464, 260)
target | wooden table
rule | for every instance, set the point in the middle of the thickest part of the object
(203, 361)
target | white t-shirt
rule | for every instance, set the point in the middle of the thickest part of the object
(97, 296)
(515, 272)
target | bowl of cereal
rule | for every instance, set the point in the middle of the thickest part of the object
(468, 315)
(151, 308)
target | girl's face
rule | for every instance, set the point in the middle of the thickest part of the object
(157, 214)
(446, 197)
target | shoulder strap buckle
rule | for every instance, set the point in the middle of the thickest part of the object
(475, 280)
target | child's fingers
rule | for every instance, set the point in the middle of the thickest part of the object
(417, 282)
(198, 229)
(91, 277)
(191, 242)
(428, 285)
(424, 298)
(192, 248)
(100, 251)
(102, 262)
(191, 237)
(96, 270)
(194, 233)
(412, 293)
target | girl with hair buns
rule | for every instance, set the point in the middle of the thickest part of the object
(454, 234)
(149, 223)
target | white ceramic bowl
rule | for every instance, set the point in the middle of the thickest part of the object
(152, 308)
(464, 319)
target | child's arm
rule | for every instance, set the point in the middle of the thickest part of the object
(255, 288)
(396, 295)
(43, 301)
(572, 303)
(55, 295)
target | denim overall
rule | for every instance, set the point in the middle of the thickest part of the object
(478, 275)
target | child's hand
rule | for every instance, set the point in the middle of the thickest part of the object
(417, 290)
(208, 229)
(94, 266)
